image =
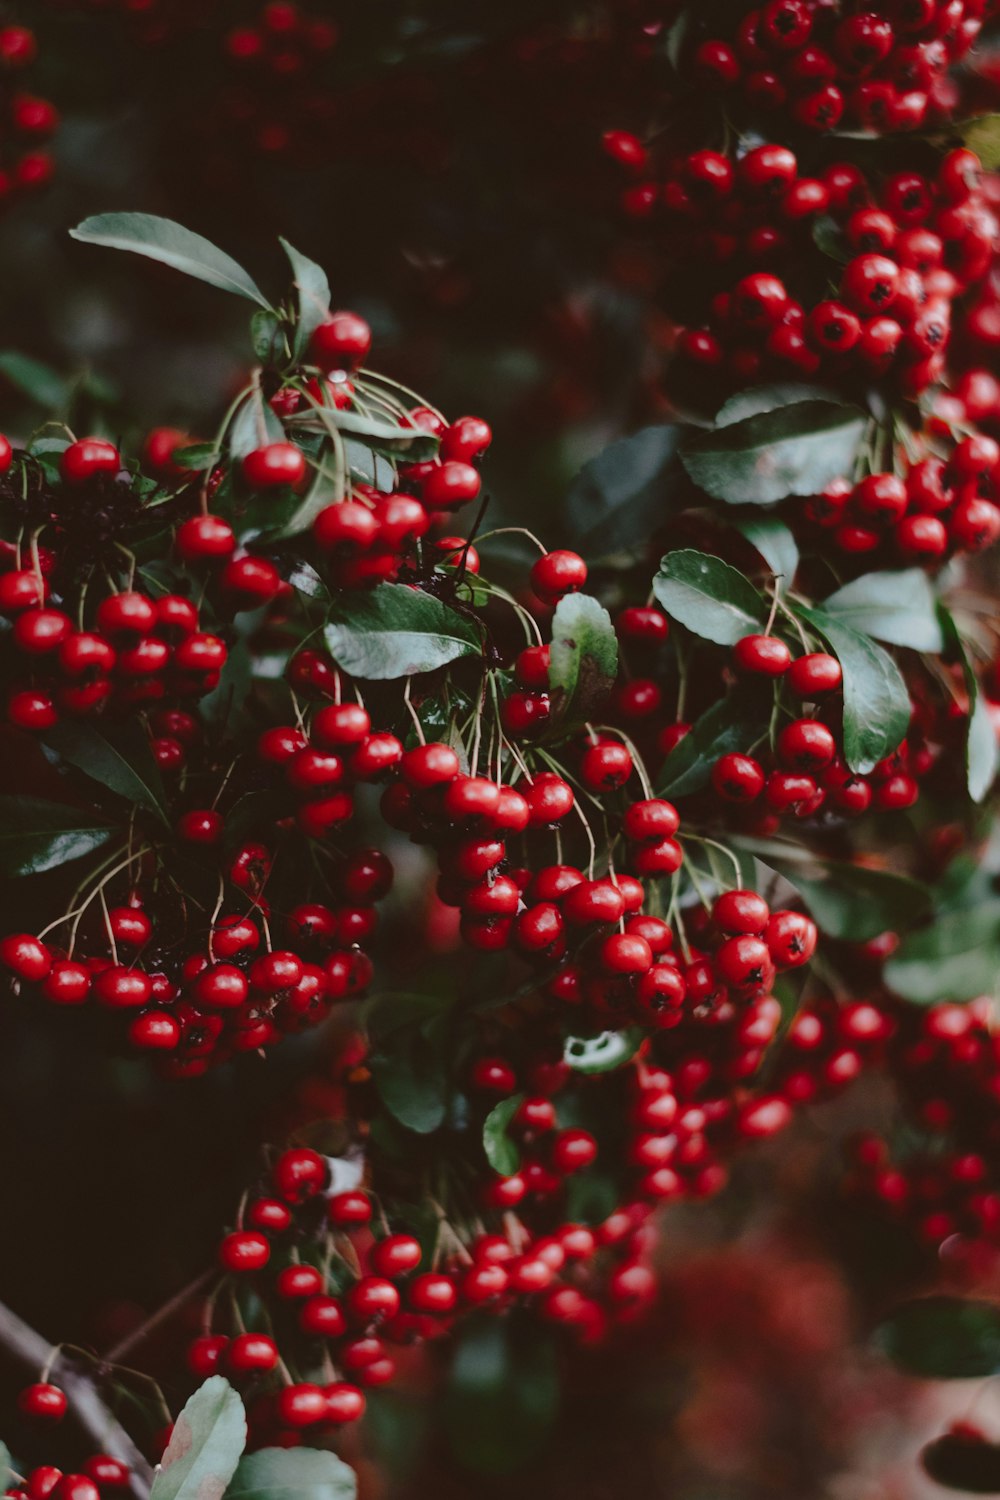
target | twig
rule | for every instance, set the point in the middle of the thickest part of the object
(86, 1404)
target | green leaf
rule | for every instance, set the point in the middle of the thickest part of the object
(255, 424)
(981, 134)
(397, 631)
(791, 450)
(37, 835)
(411, 1076)
(313, 295)
(293, 1474)
(876, 700)
(325, 490)
(897, 607)
(197, 456)
(265, 336)
(501, 1152)
(120, 758)
(173, 245)
(943, 1338)
(734, 723)
(233, 688)
(205, 1446)
(761, 398)
(6, 1468)
(776, 545)
(602, 1053)
(711, 598)
(846, 900)
(982, 754)
(828, 237)
(623, 494)
(583, 659)
(956, 958)
(35, 380)
(390, 1010)
(502, 1394)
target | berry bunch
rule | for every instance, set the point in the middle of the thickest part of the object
(883, 68)
(100, 1477)
(26, 121)
(934, 507)
(912, 245)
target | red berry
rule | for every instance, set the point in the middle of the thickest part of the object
(274, 465)
(244, 1250)
(341, 342)
(42, 1401)
(88, 457)
(558, 573)
(762, 654)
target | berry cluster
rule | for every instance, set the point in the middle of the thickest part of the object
(912, 244)
(932, 509)
(26, 121)
(100, 1477)
(883, 68)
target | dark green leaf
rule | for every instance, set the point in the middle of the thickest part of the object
(173, 245)
(388, 1011)
(411, 1076)
(876, 699)
(120, 758)
(943, 1338)
(982, 754)
(313, 294)
(956, 958)
(791, 450)
(624, 494)
(829, 238)
(602, 1053)
(255, 425)
(305, 578)
(846, 900)
(292, 1474)
(265, 336)
(734, 723)
(711, 598)
(33, 379)
(229, 696)
(503, 1392)
(776, 545)
(896, 607)
(397, 631)
(501, 1152)
(981, 134)
(761, 398)
(325, 490)
(197, 456)
(36, 835)
(205, 1445)
(583, 659)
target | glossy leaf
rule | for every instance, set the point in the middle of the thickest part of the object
(172, 245)
(205, 1445)
(733, 723)
(790, 450)
(876, 699)
(982, 753)
(583, 659)
(623, 494)
(120, 758)
(254, 426)
(37, 835)
(501, 1152)
(898, 607)
(776, 545)
(313, 290)
(956, 958)
(396, 631)
(708, 596)
(846, 900)
(293, 1474)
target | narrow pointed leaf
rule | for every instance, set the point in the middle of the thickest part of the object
(173, 245)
